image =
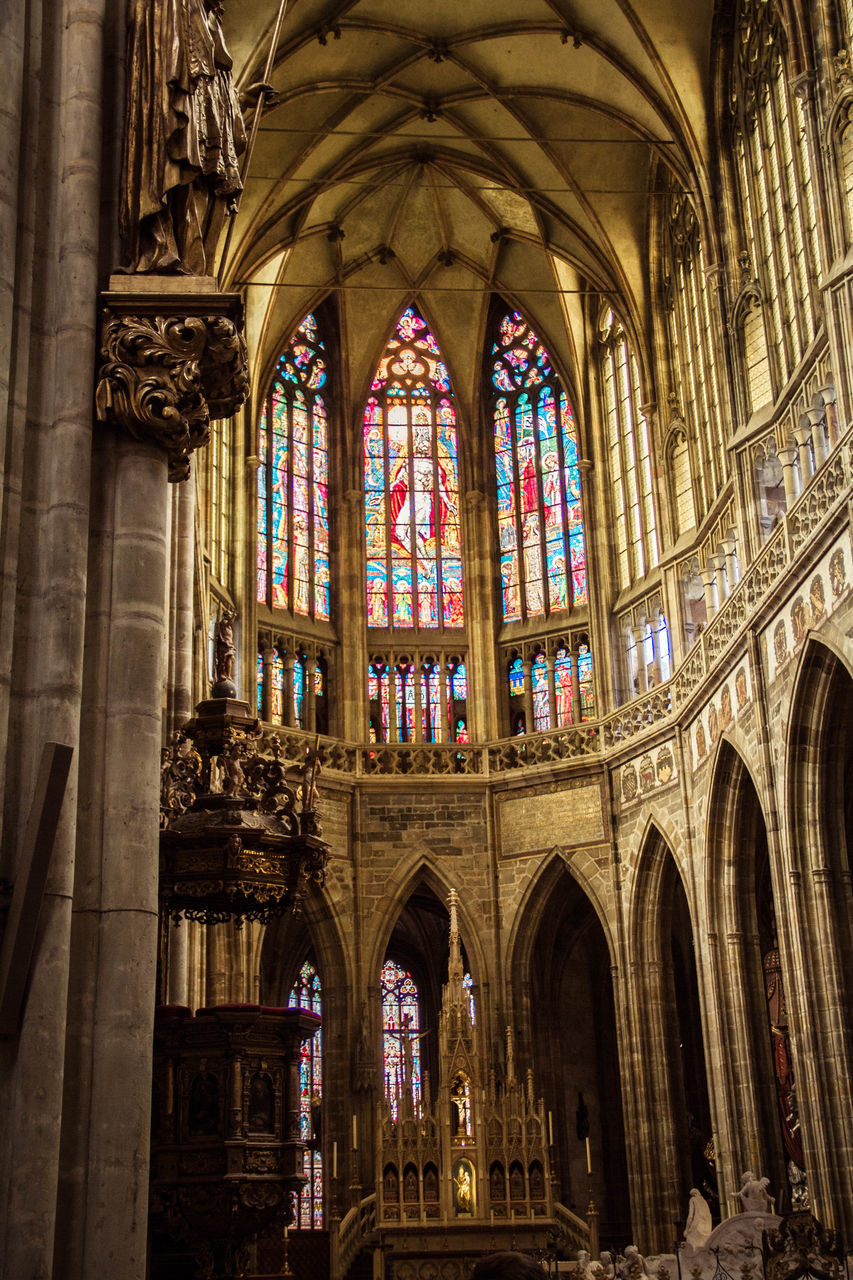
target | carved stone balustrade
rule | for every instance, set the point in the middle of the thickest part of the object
(226, 1151)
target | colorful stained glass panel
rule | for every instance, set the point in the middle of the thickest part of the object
(411, 484)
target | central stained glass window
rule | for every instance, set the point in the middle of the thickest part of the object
(540, 519)
(411, 486)
(401, 1038)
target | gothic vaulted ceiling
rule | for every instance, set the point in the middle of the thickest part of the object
(452, 148)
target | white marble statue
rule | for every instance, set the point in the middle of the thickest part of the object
(753, 1194)
(699, 1225)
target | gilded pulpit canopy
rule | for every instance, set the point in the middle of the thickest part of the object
(183, 135)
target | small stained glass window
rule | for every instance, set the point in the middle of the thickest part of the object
(307, 994)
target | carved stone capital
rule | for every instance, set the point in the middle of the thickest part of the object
(170, 362)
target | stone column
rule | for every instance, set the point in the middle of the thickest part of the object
(528, 695)
(827, 394)
(639, 634)
(310, 694)
(552, 691)
(288, 709)
(179, 704)
(718, 564)
(267, 659)
(788, 459)
(446, 731)
(163, 371)
(577, 710)
(732, 566)
(817, 423)
(803, 437)
(709, 582)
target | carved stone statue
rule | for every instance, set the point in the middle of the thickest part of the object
(753, 1193)
(699, 1223)
(183, 134)
(224, 655)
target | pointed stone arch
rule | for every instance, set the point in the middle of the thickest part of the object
(666, 1062)
(287, 943)
(534, 902)
(739, 875)
(819, 843)
(562, 972)
(399, 887)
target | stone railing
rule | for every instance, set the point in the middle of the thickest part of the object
(572, 1231)
(643, 715)
(354, 1232)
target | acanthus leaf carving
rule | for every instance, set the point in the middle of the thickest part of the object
(163, 376)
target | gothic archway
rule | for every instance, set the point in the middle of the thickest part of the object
(670, 1090)
(564, 1011)
(820, 837)
(742, 897)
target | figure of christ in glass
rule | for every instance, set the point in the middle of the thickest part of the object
(541, 710)
(563, 683)
(411, 481)
(401, 1036)
(307, 994)
(540, 519)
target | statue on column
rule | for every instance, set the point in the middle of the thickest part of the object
(224, 656)
(183, 135)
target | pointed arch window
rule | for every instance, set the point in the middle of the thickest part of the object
(307, 994)
(293, 510)
(540, 520)
(401, 1043)
(777, 189)
(411, 486)
(630, 453)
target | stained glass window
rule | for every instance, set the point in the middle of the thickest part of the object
(299, 689)
(540, 520)
(277, 691)
(307, 994)
(401, 1046)
(539, 679)
(293, 513)
(563, 685)
(468, 984)
(411, 486)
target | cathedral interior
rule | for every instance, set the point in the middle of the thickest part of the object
(426, 600)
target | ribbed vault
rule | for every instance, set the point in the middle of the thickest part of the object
(449, 150)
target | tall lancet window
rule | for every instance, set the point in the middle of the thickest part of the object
(401, 1039)
(411, 486)
(540, 519)
(306, 994)
(293, 509)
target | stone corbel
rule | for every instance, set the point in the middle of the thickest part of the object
(170, 361)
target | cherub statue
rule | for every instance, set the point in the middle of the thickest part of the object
(753, 1194)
